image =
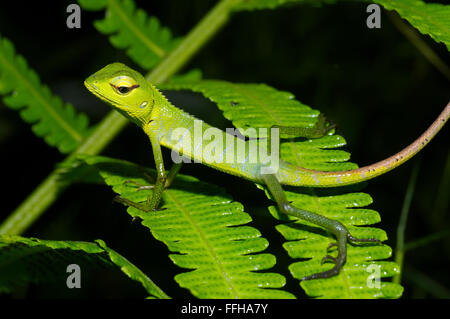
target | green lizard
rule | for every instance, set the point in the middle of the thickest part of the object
(138, 100)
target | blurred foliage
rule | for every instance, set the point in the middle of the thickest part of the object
(373, 83)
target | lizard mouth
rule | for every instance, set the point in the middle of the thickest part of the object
(94, 90)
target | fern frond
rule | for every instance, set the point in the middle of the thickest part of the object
(32, 260)
(251, 105)
(266, 107)
(203, 227)
(55, 121)
(190, 76)
(144, 39)
(307, 241)
(432, 19)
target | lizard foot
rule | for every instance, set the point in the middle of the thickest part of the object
(127, 202)
(141, 187)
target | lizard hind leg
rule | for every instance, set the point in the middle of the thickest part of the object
(335, 227)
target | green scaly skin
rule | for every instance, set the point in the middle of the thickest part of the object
(129, 93)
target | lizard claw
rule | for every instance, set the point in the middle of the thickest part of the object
(129, 181)
(328, 258)
(331, 245)
(141, 187)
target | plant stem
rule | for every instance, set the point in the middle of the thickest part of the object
(196, 38)
(49, 190)
(400, 247)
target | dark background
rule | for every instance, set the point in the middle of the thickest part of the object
(373, 83)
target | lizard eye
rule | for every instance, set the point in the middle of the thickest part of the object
(124, 84)
(123, 89)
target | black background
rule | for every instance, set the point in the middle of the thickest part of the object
(377, 87)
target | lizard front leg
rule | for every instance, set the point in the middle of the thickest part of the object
(154, 199)
(161, 176)
(146, 207)
(169, 180)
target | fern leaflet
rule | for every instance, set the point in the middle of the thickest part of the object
(145, 40)
(242, 103)
(203, 227)
(51, 119)
(25, 260)
(262, 106)
(429, 18)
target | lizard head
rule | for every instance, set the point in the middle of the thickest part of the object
(124, 89)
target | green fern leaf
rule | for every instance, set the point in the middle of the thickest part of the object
(242, 103)
(145, 40)
(429, 18)
(51, 119)
(25, 260)
(347, 208)
(190, 76)
(202, 226)
(262, 106)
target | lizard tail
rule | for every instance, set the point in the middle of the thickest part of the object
(289, 174)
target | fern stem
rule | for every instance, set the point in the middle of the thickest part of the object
(400, 247)
(193, 41)
(48, 191)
